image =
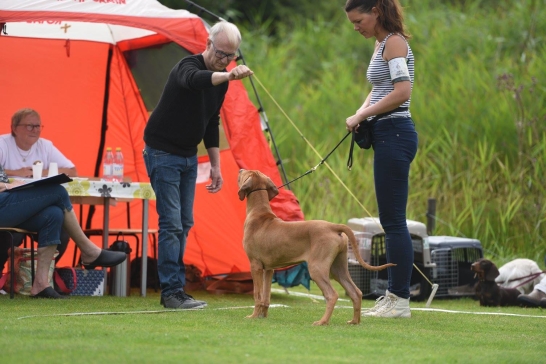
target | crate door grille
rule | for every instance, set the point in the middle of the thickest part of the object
(446, 273)
(365, 280)
(378, 280)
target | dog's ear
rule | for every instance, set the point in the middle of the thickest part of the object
(243, 191)
(272, 190)
(492, 273)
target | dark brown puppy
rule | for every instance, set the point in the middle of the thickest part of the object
(488, 291)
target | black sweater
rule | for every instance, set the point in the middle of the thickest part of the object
(188, 110)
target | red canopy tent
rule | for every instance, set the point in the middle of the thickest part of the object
(94, 70)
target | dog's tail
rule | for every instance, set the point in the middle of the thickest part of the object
(352, 240)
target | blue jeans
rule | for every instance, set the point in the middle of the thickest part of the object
(173, 179)
(39, 209)
(395, 145)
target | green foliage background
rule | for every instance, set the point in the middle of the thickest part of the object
(478, 104)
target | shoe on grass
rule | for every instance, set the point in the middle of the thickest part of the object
(393, 307)
(181, 300)
(378, 303)
(533, 299)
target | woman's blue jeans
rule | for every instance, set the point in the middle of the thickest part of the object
(40, 209)
(395, 145)
(173, 179)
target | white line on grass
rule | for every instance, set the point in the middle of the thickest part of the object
(463, 312)
(141, 312)
(476, 313)
(245, 307)
(271, 306)
(413, 309)
(298, 294)
(163, 311)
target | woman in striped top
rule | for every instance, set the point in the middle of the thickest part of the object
(394, 138)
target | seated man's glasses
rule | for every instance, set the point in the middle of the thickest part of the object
(31, 127)
(222, 55)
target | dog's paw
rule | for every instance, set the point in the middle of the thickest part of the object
(320, 323)
(256, 316)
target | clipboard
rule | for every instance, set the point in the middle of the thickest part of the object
(58, 179)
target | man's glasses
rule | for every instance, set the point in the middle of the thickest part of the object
(31, 127)
(221, 55)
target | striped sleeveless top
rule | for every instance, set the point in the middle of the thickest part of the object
(379, 76)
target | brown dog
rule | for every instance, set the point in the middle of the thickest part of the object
(487, 290)
(273, 243)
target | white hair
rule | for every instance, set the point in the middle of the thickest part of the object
(229, 29)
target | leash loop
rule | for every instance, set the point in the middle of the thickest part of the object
(350, 159)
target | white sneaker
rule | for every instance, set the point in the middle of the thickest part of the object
(393, 307)
(378, 303)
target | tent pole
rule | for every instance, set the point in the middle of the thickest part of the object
(261, 109)
(103, 129)
(268, 128)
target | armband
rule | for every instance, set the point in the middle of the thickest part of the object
(399, 70)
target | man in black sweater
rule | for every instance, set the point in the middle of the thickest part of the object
(187, 113)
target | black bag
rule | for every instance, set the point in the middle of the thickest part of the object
(121, 245)
(363, 136)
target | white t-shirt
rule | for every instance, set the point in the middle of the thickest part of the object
(11, 157)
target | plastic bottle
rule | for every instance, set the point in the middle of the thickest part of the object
(118, 166)
(108, 165)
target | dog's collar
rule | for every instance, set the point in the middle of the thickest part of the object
(257, 189)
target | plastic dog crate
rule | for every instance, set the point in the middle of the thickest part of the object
(453, 257)
(372, 248)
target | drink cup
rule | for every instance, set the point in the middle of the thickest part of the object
(37, 170)
(53, 169)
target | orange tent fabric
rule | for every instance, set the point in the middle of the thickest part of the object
(57, 59)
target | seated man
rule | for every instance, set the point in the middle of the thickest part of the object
(21, 149)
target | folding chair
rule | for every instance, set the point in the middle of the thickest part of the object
(9, 232)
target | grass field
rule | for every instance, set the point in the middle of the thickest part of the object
(48, 331)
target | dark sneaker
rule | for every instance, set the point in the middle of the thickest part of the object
(162, 301)
(532, 299)
(181, 300)
(202, 302)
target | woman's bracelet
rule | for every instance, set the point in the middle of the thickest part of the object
(6, 186)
